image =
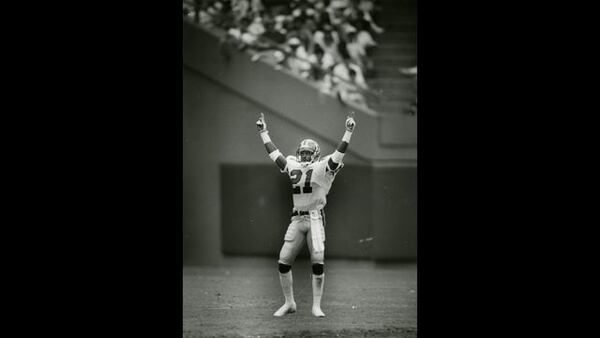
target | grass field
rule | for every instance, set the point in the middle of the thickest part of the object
(360, 299)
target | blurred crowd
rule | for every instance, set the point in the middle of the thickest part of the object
(329, 42)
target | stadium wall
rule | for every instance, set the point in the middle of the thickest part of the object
(235, 199)
(219, 128)
(261, 211)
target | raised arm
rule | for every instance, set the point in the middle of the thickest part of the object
(272, 150)
(338, 154)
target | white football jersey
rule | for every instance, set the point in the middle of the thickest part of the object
(310, 182)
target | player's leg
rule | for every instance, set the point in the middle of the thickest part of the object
(317, 259)
(293, 242)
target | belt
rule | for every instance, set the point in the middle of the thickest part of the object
(301, 213)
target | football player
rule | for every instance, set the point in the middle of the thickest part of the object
(311, 177)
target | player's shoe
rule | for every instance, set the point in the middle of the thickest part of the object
(316, 311)
(285, 309)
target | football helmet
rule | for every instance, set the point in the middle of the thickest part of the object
(308, 151)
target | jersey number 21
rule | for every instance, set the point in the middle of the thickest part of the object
(295, 176)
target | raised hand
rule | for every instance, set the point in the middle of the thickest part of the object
(261, 124)
(350, 123)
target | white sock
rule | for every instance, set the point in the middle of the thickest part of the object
(317, 285)
(287, 282)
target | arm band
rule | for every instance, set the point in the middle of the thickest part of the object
(338, 154)
(275, 154)
(337, 157)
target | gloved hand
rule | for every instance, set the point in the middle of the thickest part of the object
(350, 123)
(261, 124)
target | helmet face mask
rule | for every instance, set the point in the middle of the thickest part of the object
(308, 151)
(306, 155)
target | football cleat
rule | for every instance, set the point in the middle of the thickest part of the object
(285, 309)
(316, 311)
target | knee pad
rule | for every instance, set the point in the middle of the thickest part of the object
(284, 268)
(317, 269)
